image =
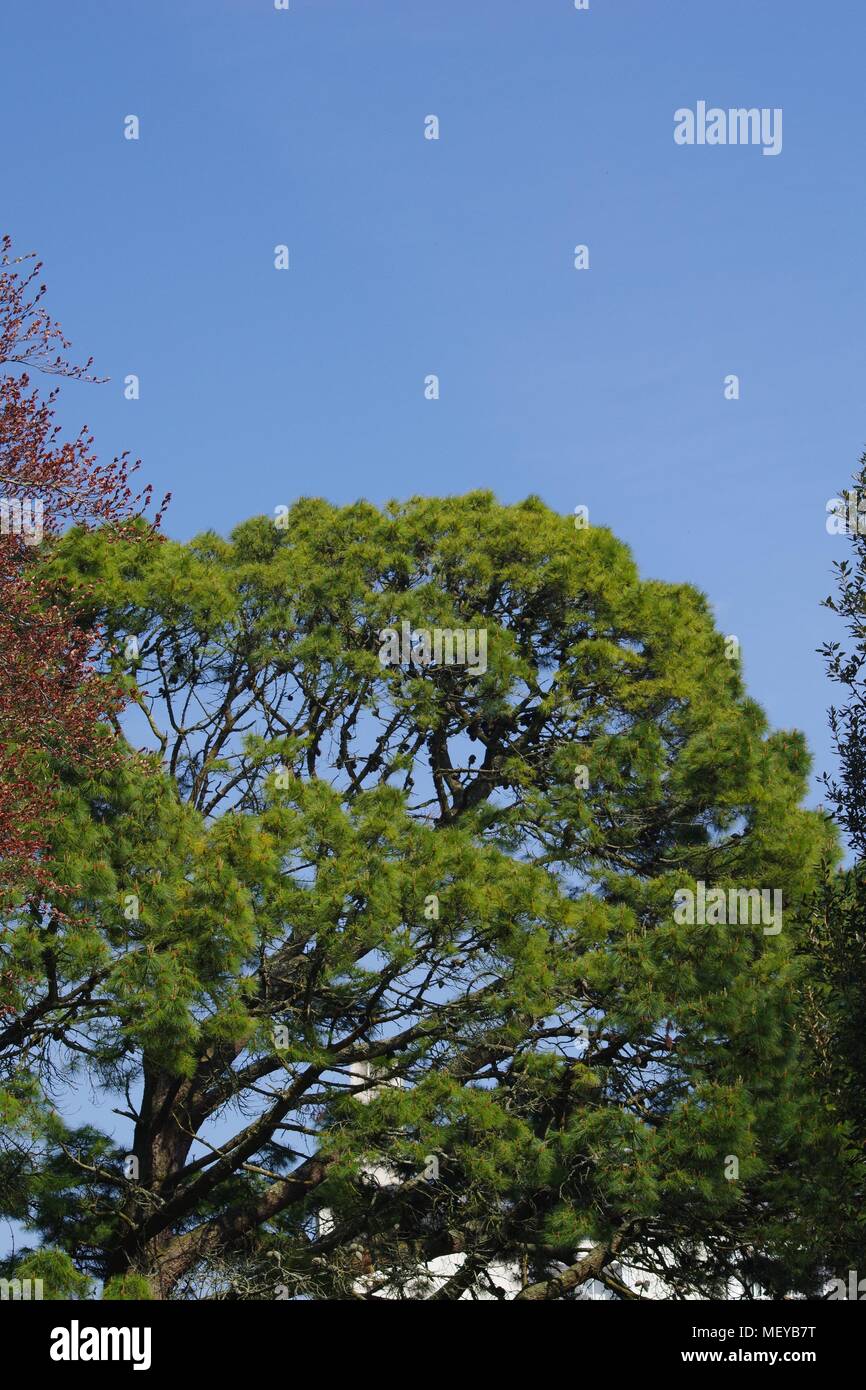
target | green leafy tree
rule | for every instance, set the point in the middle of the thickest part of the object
(835, 949)
(383, 956)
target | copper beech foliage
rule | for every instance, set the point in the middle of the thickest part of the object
(51, 697)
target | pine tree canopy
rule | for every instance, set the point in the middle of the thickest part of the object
(377, 960)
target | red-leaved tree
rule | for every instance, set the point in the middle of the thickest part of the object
(51, 697)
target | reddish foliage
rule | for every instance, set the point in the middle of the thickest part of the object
(51, 698)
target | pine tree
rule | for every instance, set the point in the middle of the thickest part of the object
(384, 954)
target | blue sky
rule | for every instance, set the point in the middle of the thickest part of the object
(408, 257)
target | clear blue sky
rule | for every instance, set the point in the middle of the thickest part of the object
(454, 257)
